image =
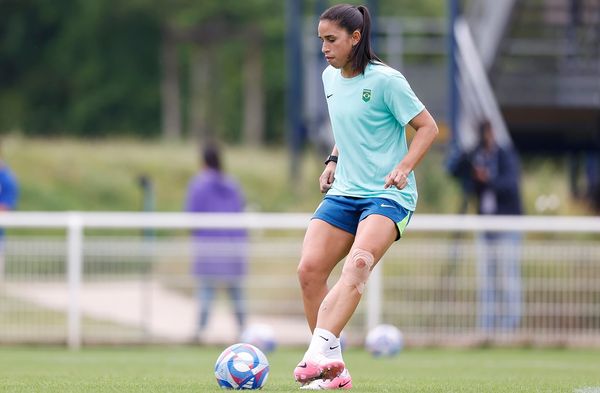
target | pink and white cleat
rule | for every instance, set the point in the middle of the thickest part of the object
(342, 381)
(317, 366)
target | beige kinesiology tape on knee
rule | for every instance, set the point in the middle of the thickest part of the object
(357, 269)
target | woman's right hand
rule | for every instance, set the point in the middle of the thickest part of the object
(327, 177)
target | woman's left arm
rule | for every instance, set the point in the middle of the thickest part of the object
(426, 131)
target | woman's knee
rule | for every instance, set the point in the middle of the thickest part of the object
(310, 273)
(357, 269)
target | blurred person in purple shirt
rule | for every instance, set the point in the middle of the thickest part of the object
(220, 255)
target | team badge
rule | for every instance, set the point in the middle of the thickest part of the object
(366, 95)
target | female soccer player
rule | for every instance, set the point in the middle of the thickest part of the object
(369, 181)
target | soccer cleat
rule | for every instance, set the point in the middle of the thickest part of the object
(342, 381)
(317, 366)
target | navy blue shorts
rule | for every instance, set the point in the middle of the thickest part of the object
(346, 212)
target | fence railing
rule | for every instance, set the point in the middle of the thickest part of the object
(108, 277)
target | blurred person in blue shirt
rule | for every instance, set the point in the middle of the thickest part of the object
(9, 195)
(220, 255)
(9, 189)
(496, 179)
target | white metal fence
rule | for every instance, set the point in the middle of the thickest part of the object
(80, 278)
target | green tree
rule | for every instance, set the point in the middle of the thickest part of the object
(93, 68)
(78, 67)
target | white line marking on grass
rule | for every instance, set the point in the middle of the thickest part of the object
(588, 389)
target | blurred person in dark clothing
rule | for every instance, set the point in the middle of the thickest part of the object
(496, 179)
(592, 172)
(220, 255)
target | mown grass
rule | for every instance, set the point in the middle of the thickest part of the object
(190, 369)
(68, 174)
(102, 175)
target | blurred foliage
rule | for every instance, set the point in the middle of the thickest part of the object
(91, 68)
(78, 67)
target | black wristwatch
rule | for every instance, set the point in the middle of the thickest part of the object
(331, 157)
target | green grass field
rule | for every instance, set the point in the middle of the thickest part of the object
(190, 369)
(102, 175)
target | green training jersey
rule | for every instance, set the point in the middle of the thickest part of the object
(369, 113)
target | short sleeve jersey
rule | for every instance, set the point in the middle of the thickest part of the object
(369, 113)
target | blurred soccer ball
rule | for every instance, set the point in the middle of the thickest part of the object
(384, 340)
(261, 336)
(242, 367)
(343, 343)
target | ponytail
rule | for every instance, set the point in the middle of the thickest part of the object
(363, 53)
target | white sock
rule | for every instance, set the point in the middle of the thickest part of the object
(321, 341)
(334, 351)
(326, 343)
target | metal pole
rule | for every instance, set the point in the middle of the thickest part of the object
(148, 201)
(148, 234)
(374, 293)
(74, 264)
(374, 297)
(373, 6)
(453, 116)
(294, 108)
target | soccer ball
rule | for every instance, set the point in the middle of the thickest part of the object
(384, 340)
(242, 367)
(343, 343)
(261, 336)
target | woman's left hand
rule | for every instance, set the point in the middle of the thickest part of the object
(397, 177)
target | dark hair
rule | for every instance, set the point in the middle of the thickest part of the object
(212, 157)
(483, 128)
(352, 18)
(484, 125)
